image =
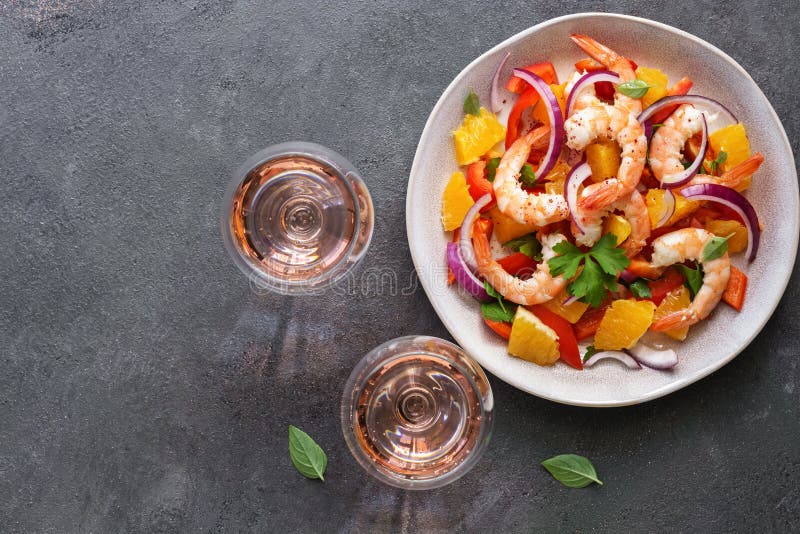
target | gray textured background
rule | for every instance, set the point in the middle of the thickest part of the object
(144, 387)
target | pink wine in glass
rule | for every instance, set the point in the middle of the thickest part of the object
(417, 412)
(297, 218)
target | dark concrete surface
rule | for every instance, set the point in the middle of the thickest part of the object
(144, 387)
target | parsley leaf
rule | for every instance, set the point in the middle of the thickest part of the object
(601, 265)
(640, 289)
(491, 168)
(635, 88)
(495, 312)
(694, 278)
(590, 351)
(527, 177)
(471, 104)
(528, 245)
(715, 248)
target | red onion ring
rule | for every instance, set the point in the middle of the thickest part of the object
(570, 300)
(617, 355)
(495, 93)
(587, 79)
(463, 275)
(734, 200)
(701, 102)
(465, 239)
(576, 177)
(681, 178)
(556, 120)
(667, 209)
(654, 358)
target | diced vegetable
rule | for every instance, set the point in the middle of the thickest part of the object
(501, 329)
(571, 312)
(519, 265)
(545, 70)
(670, 281)
(532, 340)
(476, 136)
(528, 98)
(623, 324)
(736, 289)
(641, 268)
(567, 344)
(456, 201)
(589, 322)
(477, 183)
(603, 156)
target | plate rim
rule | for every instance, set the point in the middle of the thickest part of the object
(510, 378)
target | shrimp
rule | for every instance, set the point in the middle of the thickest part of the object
(539, 288)
(667, 144)
(588, 124)
(635, 211)
(688, 244)
(735, 176)
(514, 201)
(616, 63)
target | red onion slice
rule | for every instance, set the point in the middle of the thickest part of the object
(570, 300)
(465, 239)
(681, 178)
(654, 358)
(617, 355)
(495, 94)
(463, 275)
(701, 102)
(576, 177)
(584, 81)
(667, 209)
(734, 200)
(627, 276)
(556, 120)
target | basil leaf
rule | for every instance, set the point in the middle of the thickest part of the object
(494, 312)
(640, 289)
(572, 470)
(694, 278)
(527, 177)
(308, 458)
(492, 292)
(715, 248)
(527, 244)
(635, 88)
(491, 168)
(590, 351)
(472, 105)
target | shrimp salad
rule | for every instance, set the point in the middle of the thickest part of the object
(601, 216)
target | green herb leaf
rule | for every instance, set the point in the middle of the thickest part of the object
(601, 265)
(527, 177)
(686, 164)
(492, 292)
(495, 312)
(491, 168)
(694, 278)
(721, 158)
(590, 351)
(640, 289)
(635, 88)
(715, 248)
(528, 245)
(471, 104)
(572, 470)
(308, 457)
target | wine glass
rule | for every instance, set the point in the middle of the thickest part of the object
(417, 412)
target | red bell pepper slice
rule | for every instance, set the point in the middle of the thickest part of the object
(660, 288)
(451, 276)
(589, 322)
(567, 344)
(501, 329)
(682, 87)
(477, 184)
(604, 90)
(527, 99)
(544, 70)
(518, 264)
(737, 287)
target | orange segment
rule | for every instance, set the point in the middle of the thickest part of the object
(476, 136)
(658, 84)
(556, 178)
(724, 228)
(655, 205)
(732, 139)
(677, 299)
(623, 324)
(603, 156)
(571, 312)
(532, 340)
(617, 225)
(456, 201)
(506, 228)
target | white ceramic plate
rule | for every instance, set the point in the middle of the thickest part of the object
(774, 194)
